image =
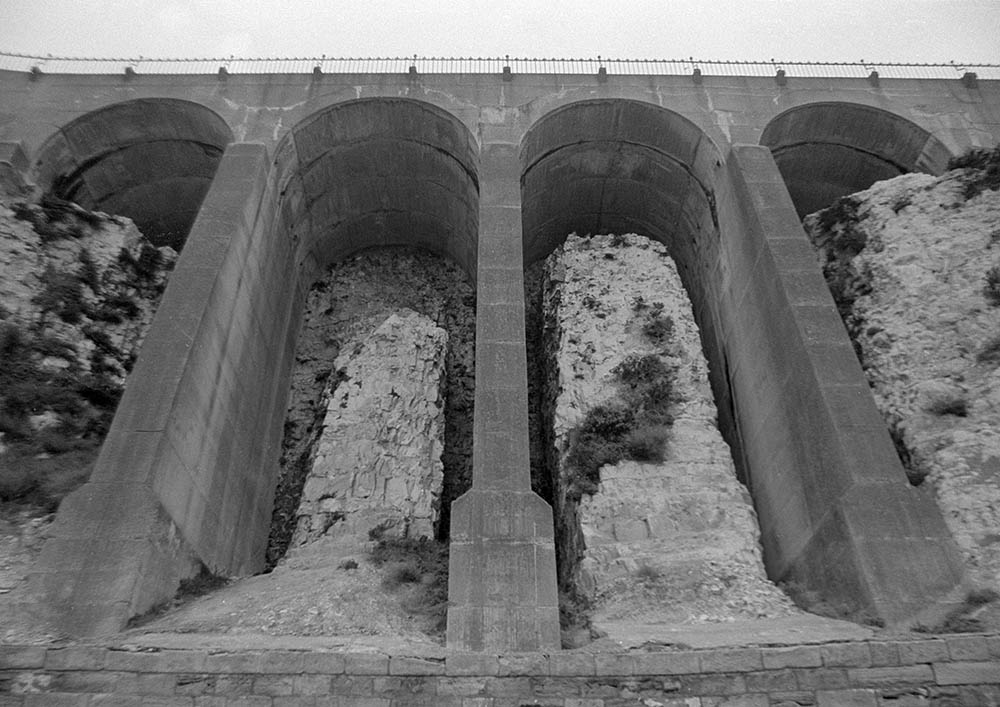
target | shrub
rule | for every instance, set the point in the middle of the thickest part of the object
(62, 295)
(423, 564)
(148, 263)
(647, 573)
(647, 444)
(914, 474)
(598, 441)
(990, 352)
(202, 583)
(844, 212)
(637, 371)
(632, 428)
(116, 308)
(982, 596)
(402, 573)
(57, 209)
(88, 271)
(649, 387)
(44, 482)
(48, 345)
(991, 290)
(949, 405)
(983, 167)
(17, 485)
(658, 328)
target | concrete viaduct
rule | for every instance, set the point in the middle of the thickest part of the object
(267, 179)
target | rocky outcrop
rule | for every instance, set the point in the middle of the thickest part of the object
(342, 309)
(89, 280)
(668, 535)
(910, 262)
(377, 465)
(77, 294)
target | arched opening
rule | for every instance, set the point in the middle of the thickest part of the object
(151, 160)
(378, 172)
(393, 178)
(827, 150)
(621, 167)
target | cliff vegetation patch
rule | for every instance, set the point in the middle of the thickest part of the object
(78, 291)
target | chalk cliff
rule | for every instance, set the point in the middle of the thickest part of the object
(377, 462)
(669, 536)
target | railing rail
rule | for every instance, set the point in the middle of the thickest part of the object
(489, 65)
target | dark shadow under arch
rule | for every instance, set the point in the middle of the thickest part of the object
(151, 160)
(827, 150)
(378, 172)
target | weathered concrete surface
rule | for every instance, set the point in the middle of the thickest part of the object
(377, 173)
(921, 329)
(502, 567)
(178, 454)
(660, 543)
(377, 463)
(729, 109)
(835, 510)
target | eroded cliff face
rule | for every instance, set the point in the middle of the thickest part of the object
(342, 310)
(665, 534)
(78, 291)
(377, 464)
(909, 262)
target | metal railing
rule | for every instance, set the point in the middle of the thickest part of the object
(490, 65)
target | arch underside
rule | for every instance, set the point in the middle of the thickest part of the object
(616, 166)
(379, 172)
(151, 160)
(827, 150)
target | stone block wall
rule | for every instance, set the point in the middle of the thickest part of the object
(956, 670)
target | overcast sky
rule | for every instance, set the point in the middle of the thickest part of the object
(965, 31)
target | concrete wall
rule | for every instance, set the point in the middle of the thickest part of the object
(836, 513)
(185, 476)
(446, 162)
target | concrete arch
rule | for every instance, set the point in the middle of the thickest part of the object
(621, 166)
(378, 172)
(149, 159)
(827, 150)
(616, 166)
